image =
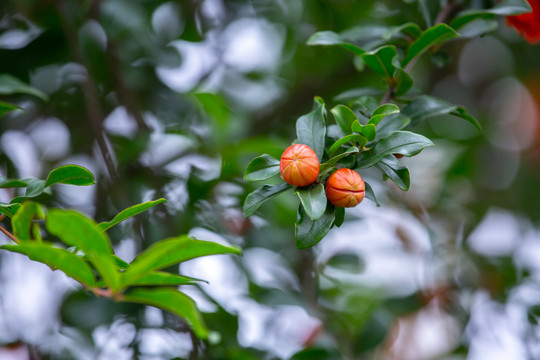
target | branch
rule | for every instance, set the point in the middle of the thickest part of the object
(6, 232)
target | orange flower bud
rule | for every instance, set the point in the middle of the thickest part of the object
(345, 188)
(299, 165)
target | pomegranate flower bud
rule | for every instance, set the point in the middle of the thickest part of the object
(345, 188)
(299, 165)
(528, 25)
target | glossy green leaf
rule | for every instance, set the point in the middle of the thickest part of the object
(435, 35)
(170, 252)
(61, 259)
(11, 85)
(381, 60)
(356, 93)
(429, 10)
(339, 216)
(475, 24)
(409, 29)
(344, 117)
(357, 139)
(173, 301)
(258, 197)
(400, 142)
(71, 175)
(329, 38)
(121, 264)
(22, 220)
(160, 278)
(313, 200)
(391, 124)
(261, 168)
(11, 183)
(370, 194)
(7, 107)
(129, 212)
(308, 233)
(404, 82)
(391, 167)
(311, 128)
(75, 229)
(349, 151)
(424, 107)
(381, 112)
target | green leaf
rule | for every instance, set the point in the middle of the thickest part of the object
(344, 117)
(160, 278)
(22, 220)
(11, 183)
(121, 264)
(313, 200)
(403, 82)
(61, 259)
(380, 60)
(370, 194)
(435, 35)
(391, 167)
(335, 159)
(360, 140)
(71, 175)
(129, 212)
(9, 209)
(7, 107)
(308, 233)
(391, 124)
(170, 252)
(353, 94)
(173, 301)
(381, 112)
(75, 229)
(409, 29)
(339, 216)
(311, 128)
(258, 197)
(261, 168)
(424, 107)
(11, 85)
(329, 38)
(400, 142)
(471, 26)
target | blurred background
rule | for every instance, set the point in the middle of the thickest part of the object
(173, 99)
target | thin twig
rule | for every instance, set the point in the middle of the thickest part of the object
(6, 232)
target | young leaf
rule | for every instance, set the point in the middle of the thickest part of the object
(344, 117)
(261, 168)
(308, 233)
(433, 36)
(160, 278)
(313, 200)
(75, 229)
(311, 128)
(356, 138)
(349, 151)
(11, 85)
(173, 301)
(391, 167)
(56, 258)
(9, 209)
(380, 60)
(381, 112)
(400, 142)
(258, 197)
(169, 252)
(129, 212)
(71, 175)
(22, 220)
(326, 38)
(11, 183)
(7, 107)
(370, 194)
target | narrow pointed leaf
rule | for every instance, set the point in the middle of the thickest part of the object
(435, 35)
(339, 216)
(173, 301)
(370, 194)
(357, 139)
(129, 212)
(9, 209)
(329, 38)
(56, 258)
(313, 200)
(11, 85)
(335, 159)
(261, 195)
(170, 252)
(7, 107)
(262, 168)
(75, 229)
(160, 278)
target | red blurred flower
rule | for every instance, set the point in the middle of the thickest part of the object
(528, 25)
